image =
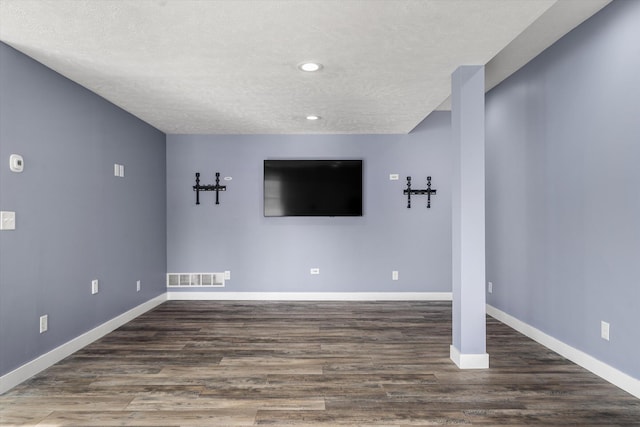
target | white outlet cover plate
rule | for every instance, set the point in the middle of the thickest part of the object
(16, 163)
(44, 323)
(394, 177)
(315, 271)
(604, 330)
(227, 275)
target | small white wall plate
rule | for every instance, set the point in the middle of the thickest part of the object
(16, 163)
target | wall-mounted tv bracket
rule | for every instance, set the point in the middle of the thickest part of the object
(428, 191)
(217, 188)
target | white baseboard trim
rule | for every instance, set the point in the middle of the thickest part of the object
(29, 369)
(311, 296)
(468, 361)
(601, 369)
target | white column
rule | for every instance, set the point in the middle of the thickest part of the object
(468, 350)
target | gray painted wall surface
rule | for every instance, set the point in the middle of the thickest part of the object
(563, 198)
(75, 220)
(276, 254)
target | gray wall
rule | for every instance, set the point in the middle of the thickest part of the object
(276, 254)
(563, 198)
(75, 220)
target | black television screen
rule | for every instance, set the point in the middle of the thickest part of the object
(312, 188)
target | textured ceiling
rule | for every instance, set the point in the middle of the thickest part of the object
(230, 67)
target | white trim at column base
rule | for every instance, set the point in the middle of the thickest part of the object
(469, 361)
(607, 372)
(29, 369)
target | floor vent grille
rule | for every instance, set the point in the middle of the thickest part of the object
(195, 280)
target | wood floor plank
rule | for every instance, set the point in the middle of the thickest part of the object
(23, 416)
(219, 417)
(214, 363)
(209, 402)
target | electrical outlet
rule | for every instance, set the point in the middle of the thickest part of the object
(315, 271)
(44, 323)
(490, 287)
(394, 177)
(138, 286)
(394, 275)
(227, 275)
(94, 286)
(604, 330)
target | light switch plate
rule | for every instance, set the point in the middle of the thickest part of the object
(7, 220)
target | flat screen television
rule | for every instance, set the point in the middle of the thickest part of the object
(312, 188)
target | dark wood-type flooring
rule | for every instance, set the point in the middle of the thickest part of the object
(310, 363)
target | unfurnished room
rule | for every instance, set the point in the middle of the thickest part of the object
(319, 212)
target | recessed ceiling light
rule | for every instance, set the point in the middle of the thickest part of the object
(312, 117)
(310, 66)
